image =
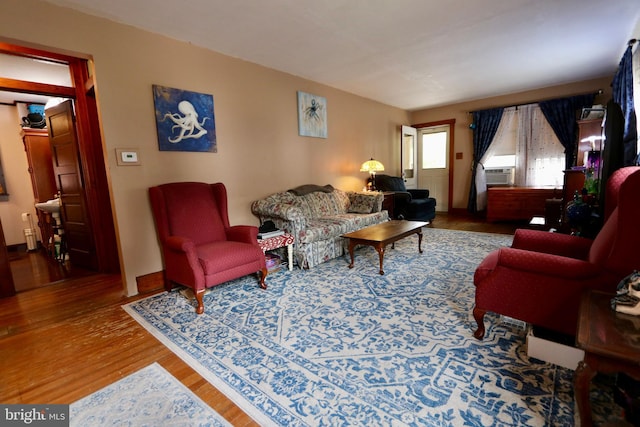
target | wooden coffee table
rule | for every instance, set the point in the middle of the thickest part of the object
(380, 235)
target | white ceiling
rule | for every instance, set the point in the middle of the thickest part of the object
(411, 54)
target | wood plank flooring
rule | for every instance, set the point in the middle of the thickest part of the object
(61, 341)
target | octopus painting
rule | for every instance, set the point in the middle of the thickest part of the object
(184, 120)
(188, 124)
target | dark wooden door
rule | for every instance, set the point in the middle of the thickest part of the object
(38, 149)
(69, 180)
(7, 287)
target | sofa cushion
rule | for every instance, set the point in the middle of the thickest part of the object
(332, 226)
(319, 204)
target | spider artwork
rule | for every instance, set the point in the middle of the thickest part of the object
(311, 112)
(312, 115)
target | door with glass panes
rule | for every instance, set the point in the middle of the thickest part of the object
(433, 166)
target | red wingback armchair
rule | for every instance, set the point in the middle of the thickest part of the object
(540, 278)
(199, 248)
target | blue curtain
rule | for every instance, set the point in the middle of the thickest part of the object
(485, 125)
(622, 87)
(561, 115)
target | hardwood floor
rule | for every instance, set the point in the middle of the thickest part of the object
(33, 269)
(64, 340)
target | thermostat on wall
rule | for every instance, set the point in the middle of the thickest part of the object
(127, 157)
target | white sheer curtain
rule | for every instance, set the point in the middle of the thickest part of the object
(540, 158)
(503, 143)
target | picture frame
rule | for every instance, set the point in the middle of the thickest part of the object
(185, 120)
(312, 115)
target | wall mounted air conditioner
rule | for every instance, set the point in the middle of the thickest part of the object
(500, 176)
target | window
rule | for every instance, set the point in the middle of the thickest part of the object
(434, 148)
(526, 140)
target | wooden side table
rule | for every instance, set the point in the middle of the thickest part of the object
(389, 203)
(279, 242)
(611, 343)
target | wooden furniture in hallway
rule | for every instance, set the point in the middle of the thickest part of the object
(43, 181)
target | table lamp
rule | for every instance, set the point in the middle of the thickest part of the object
(372, 166)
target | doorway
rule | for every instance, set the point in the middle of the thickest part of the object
(435, 168)
(433, 172)
(92, 168)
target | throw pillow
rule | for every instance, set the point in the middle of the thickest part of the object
(361, 203)
(310, 188)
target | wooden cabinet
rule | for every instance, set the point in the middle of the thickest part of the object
(518, 203)
(43, 181)
(36, 144)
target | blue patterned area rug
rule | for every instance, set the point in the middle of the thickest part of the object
(339, 346)
(150, 397)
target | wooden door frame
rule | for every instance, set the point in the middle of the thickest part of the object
(452, 124)
(90, 146)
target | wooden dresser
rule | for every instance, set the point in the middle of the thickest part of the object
(43, 181)
(518, 203)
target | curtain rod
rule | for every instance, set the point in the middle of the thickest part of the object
(598, 92)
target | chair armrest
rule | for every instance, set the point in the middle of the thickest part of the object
(270, 209)
(552, 243)
(243, 233)
(546, 264)
(402, 197)
(419, 194)
(180, 244)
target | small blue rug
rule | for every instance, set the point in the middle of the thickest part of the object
(339, 346)
(150, 397)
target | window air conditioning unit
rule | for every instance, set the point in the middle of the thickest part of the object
(500, 176)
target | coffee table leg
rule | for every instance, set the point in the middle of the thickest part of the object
(420, 241)
(380, 250)
(290, 256)
(351, 246)
(581, 381)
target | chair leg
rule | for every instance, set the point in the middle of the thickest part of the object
(478, 314)
(168, 285)
(263, 275)
(199, 299)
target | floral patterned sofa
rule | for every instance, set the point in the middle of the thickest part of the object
(317, 216)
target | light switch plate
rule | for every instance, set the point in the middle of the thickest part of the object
(127, 157)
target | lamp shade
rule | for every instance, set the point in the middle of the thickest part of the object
(372, 166)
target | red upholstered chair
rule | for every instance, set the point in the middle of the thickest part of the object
(199, 247)
(540, 278)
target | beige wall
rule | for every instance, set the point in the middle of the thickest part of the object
(259, 150)
(464, 136)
